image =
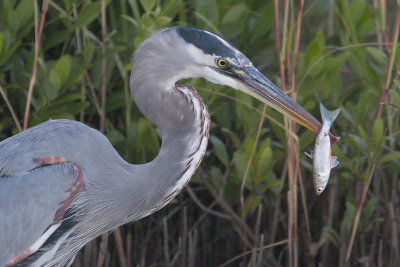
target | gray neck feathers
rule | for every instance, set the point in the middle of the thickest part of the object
(155, 70)
(178, 112)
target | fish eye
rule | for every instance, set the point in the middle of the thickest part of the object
(222, 62)
(319, 189)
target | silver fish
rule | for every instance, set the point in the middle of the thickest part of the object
(323, 161)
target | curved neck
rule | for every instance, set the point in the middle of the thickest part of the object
(178, 111)
(184, 121)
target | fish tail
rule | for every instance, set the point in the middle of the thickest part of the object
(328, 116)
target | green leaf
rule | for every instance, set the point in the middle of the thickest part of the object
(63, 67)
(271, 184)
(55, 81)
(88, 52)
(356, 10)
(251, 203)
(377, 131)
(60, 73)
(1, 42)
(206, 21)
(217, 177)
(349, 216)
(171, 7)
(389, 157)
(333, 236)
(115, 136)
(148, 5)
(207, 11)
(88, 14)
(67, 98)
(234, 13)
(395, 97)
(233, 137)
(130, 19)
(263, 160)
(220, 150)
(163, 21)
(56, 38)
(9, 51)
(24, 12)
(369, 208)
(59, 111)
(356, 141)
(377, 55)
(240, 161)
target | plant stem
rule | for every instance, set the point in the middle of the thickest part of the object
(260, 123)
(389, 68)
(38, 37)
(364, 191)
(15, 118)
(104, 65)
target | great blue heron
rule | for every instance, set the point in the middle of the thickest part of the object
(62, 183)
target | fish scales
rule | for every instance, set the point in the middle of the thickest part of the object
(323, 161)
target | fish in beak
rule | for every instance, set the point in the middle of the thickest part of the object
(323, 161)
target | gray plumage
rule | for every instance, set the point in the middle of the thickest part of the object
(116, 192)
(50, 181)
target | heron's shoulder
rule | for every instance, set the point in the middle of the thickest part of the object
(51, 133)
(61, 128)
(65, 138)
(62, 124)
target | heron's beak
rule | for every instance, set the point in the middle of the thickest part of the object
(252, 82)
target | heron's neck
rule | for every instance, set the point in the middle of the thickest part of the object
(184, 121)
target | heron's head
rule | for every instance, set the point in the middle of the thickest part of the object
(191, 53)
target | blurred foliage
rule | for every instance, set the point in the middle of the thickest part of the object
(343, 61)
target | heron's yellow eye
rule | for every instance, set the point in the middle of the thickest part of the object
(222, 62)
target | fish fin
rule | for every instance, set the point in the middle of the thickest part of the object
(333, 138)
(334, 162)
(310, 155)
(327, 115)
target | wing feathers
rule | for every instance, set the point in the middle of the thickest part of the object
(32, 249)
(73, 191)
(32, 206)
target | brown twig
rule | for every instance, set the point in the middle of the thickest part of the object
(104, 242)
(229, 211)
(15, 118)
(385, 22)
(203, 207)
(304, 205)
(378, 26)
(38, 38)
(275, 220)
(104, 65)
(120, 247)
(389, 68)
(128, 247)
(394, 232)
(102, 250)
(293, 148)
(330, 219)
(166, 241)
(291, 144)
(278, 44)
(364, 191)
(252, 251)
(296, 45)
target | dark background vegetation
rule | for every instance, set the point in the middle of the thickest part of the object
(252, 202)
